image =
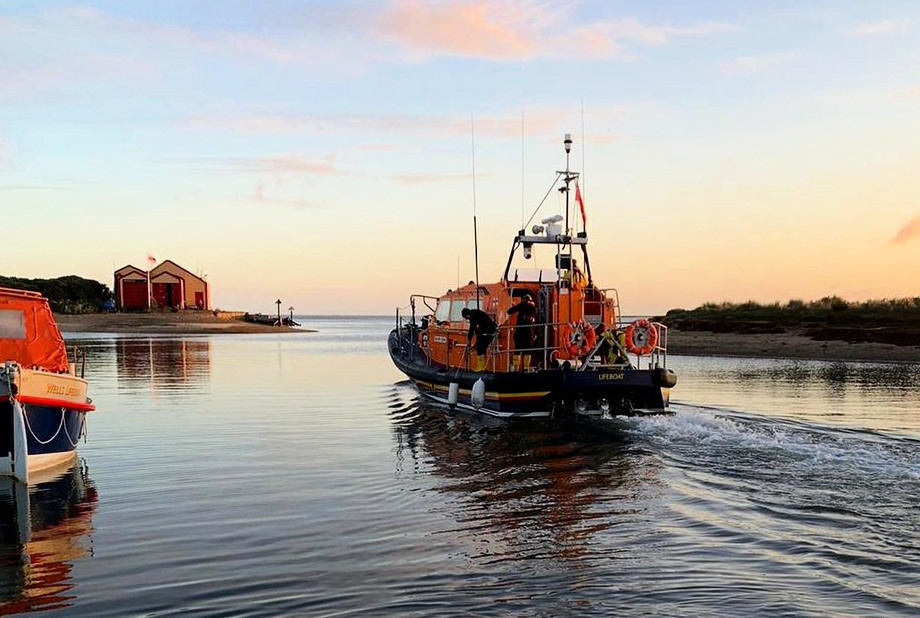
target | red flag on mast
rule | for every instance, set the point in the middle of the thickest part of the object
(581, 204)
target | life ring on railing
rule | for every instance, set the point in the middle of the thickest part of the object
(641, 337)
(579, 338)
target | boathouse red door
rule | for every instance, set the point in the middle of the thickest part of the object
(134, 295)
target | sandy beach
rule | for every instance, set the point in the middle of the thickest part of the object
(184, 322)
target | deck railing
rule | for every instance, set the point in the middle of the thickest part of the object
(544, 353)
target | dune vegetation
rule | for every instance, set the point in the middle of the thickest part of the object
(68, 295)
(895, 321)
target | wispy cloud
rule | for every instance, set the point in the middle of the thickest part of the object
(504, 125)
(261, 197)
(910, 231)
(759, 63)
(278, 164)
(430, 178)
(886, 26)
(33, 188)
(519, 30)
(41, 54)
(50, 49)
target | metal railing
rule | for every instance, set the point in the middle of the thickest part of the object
(502, 351)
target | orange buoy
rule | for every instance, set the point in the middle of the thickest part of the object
(579, 338)
(641, 337)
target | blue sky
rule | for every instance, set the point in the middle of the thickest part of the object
(320, 152)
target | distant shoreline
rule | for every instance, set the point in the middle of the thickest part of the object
(180, 322)
(790, 345)
(787, 345)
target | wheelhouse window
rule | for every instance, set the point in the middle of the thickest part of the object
(12, 324)
(443, 311)
(456, 310)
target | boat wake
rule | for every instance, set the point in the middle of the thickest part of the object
(714, 433)
(798, 514)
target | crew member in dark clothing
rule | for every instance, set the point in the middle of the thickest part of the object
(523, 331)
(484, 328)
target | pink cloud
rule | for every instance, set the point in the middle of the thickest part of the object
(909, 231)
(908, 93)
(479, 29)
(46, 55)
(518, 30)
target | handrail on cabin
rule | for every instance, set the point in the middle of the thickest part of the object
(21, 293)
(503, 345)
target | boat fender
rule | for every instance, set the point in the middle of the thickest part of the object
(453, 391)
(20, 456)
(641, 337)
(478, 394)
(664, 378)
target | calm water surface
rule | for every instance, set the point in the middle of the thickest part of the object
(299, 475)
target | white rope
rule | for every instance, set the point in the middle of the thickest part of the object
(73, 442)
(29, 427)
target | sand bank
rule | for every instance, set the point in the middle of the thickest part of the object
(784, 345)
(182, 322)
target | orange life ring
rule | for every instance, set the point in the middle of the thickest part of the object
(641, 337)
(579, 338)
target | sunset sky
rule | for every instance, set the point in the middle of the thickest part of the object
(320, 152)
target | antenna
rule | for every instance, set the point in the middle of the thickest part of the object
(583, 192)
(475, 227)
(568, 151)
(523, 225)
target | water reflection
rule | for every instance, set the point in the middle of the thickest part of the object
(836, 376)
(525, 491)
(44, 529)
(879, 396)
(161, 361)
